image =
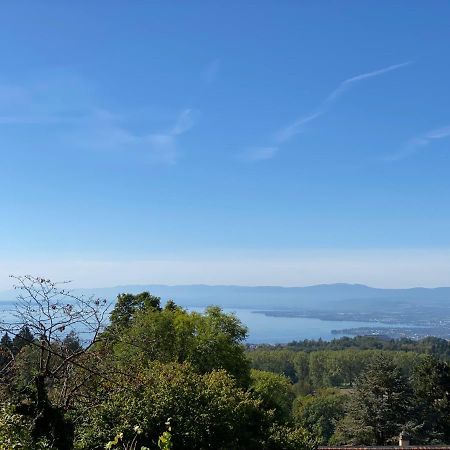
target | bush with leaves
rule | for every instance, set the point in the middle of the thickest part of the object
(283, 437)
(164, 441)
(207, 410)
(319, 412)
(275, 392)
(15, 431)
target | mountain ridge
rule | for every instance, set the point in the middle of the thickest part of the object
(320, 296)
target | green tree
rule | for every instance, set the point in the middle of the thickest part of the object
(208, 341)
(320, 412)
(127, 305)
(6, 353)
(380, 406)
(431, 383)
(6, 342)
(275, 392)
(22, 339)
(279, 361)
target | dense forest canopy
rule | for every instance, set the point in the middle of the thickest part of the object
(158, 376)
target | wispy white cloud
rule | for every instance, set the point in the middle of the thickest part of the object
(289, 131)
(415, 144)
(258, 153)
(211, 70)
(104, 131)
(76, 119)
(184, 122)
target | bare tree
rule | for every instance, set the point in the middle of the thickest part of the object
(63, 329)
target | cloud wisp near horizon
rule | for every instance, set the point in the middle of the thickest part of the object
(287, 132)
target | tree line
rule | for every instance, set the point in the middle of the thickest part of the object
(435, 346)
(310, 371)
(361, 396)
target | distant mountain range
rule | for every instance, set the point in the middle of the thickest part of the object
(325, 297)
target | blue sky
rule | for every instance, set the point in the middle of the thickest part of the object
(226, 142)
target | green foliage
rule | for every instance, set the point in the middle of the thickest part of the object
(280, 361)
(208, 411)
(208, 341)
(287, 438)
(424, 382)
(320, 412)
(379, 408)
(437, 347)
(275, 392)
(431, 384)
(119, 442)
(6, 342)
(326, 368)
(165, 440)
(22, 339)
(127, 305)
(15, 432)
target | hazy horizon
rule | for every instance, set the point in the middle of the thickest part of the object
(379, 268)
(73, 284)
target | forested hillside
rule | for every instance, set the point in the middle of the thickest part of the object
(365, 390)
(152, 375)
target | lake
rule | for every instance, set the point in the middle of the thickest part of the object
(279, 330)
(269, 329)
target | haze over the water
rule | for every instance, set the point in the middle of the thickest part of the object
(284, 144)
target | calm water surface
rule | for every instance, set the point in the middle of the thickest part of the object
(278, 330)
(270, 330)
